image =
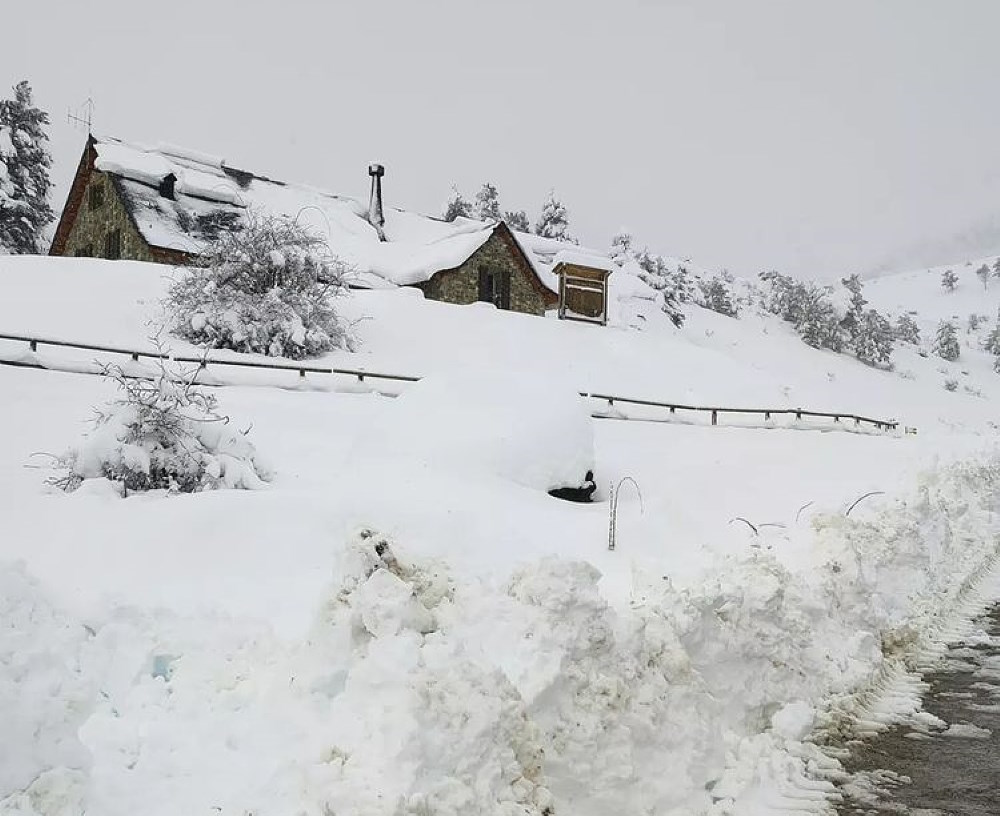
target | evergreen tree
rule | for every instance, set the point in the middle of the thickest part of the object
(948, 280)
(983, 273)
(873, 339)
(554, 220)
(457, 206)
(996, 268)
(856, 308)
(657, 273)
(621, 248)
(906, 330)
(24, 174)
(946, 342)
(488, 203)
(992, 342)
(517, 221)
(715, 295)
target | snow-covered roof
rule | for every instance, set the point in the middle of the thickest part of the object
(208, 195)
(547, 253)
(580, 257)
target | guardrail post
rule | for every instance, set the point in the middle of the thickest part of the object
(361, 377)
(33, 345)
(302, 373)
(798, 415)
(135, 357)
(836, 419)
(611, 403)
(673, 409)
(767, 416)
(715, 417)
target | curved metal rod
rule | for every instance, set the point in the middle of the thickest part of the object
(862, 498)
(747, 523)
(613, 517)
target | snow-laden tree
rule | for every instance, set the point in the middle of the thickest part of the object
(983, 273)
(457, 206)
(996, 268)
(24, 174)
(992, 341)
(716, 295)
(621, 247)
(873, 338)
(808, 307)
(554, 220)
(672, 284)
(856, 305)
(488, 203)
(517, 220)
(946, 342)
(162, 434)
(949, 280)
(267, 288)
(906, 329)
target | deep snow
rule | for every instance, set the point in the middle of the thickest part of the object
(481, 651)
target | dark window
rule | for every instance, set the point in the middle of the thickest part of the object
(113, 245)
(494, 286)
(96, 196)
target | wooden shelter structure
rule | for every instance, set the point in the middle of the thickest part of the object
(583, 286)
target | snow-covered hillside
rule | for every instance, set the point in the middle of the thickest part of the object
(478, 649)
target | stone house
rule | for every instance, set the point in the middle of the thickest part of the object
(163, 204)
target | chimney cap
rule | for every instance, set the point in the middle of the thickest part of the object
(375, 169)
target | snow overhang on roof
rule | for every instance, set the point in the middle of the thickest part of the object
(577, 257)
(547, 253)
(209, 194)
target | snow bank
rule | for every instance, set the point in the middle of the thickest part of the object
(530, 429)
(420, 690)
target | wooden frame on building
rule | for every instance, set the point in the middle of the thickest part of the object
(583, 293)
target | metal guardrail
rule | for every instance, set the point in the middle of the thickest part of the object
(204, 362)
(715, 411)
(672, 407)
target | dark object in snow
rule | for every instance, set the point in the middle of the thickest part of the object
(376, 216)
(582, 494)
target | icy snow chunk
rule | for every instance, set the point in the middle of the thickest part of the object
(530, 428)
(794, 720)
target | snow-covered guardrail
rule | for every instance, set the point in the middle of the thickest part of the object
(204, 362)
(767, 413)
(361, 375)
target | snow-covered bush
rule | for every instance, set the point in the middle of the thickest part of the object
(946, 342)
(949, 280)
(164, 433)
(716, 295)
(267, 288)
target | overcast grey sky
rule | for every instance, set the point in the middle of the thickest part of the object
(814, 137)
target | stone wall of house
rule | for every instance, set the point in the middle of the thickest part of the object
(92, 224)
(461, 285)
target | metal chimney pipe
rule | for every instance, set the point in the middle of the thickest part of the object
(376, 217)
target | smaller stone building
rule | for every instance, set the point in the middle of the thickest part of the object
(163, 204)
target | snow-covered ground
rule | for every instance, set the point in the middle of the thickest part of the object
(405, 623)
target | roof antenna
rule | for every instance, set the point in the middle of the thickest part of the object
(84, 115)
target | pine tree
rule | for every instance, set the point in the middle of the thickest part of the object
(488, 203)
(873, 339)
(457, 206)
(983, 273)
(715, 295)
(554, 220)
(517, 220)
(906, 330)
(946, 342)
(24, 174)
(996, 268)
(948, 280)
(992, 341)
(621, 248)
(855, 311)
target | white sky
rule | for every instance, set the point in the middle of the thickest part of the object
(814, 137)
